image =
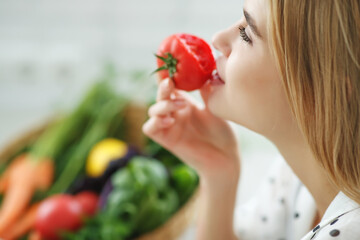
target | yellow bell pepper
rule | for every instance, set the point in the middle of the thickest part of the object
(102, 154)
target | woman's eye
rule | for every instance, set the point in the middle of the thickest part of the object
(243, 35)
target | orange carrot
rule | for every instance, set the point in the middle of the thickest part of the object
(45, 174)
(19, 192)
(23, 180)
(4, 179)
(24, 225)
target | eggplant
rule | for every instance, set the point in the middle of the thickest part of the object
(96, 184)
(107, 189)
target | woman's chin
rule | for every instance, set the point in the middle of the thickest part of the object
(213, 106)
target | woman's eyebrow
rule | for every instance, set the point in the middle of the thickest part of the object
(251, 23)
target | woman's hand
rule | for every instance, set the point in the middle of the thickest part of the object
(191, 132)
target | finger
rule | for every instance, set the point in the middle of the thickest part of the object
(159, 79)
(190, 99)
(156, 124)
(205, 92)
(166, 107)
(165, 89)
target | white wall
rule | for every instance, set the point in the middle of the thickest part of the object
(51, 50)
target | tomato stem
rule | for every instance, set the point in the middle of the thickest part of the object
(170, 64)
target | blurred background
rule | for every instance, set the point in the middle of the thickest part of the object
(51, 51)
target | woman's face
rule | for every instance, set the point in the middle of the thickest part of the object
(253, 95)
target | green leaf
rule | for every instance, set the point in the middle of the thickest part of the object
(169, 64)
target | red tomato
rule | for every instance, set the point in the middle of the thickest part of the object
(58, 213)
(187, 59)
(88, 201)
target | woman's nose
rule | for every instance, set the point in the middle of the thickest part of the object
(221, 41)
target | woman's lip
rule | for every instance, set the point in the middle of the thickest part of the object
(216, 79)
(220, 63)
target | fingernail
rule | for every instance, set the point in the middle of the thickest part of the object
(166, 82)
(169, 83)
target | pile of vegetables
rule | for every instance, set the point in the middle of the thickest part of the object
(137, 199)
(81, 179)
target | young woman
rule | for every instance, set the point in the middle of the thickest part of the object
(291, 72)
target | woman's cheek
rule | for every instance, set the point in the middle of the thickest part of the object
(239, 78)
(246, 88)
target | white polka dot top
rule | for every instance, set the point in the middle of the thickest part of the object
(283, 209)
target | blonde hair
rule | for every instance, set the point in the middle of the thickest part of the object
(316, 44)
